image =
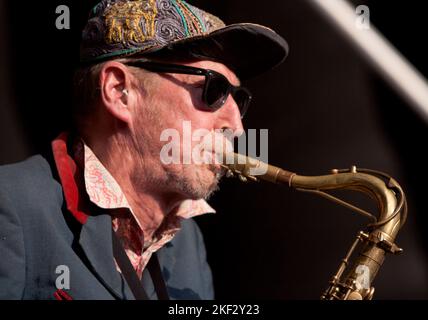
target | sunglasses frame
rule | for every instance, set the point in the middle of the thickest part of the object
(209, 75)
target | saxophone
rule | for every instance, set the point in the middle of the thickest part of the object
(353, 280)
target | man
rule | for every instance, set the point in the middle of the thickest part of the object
(105, 216)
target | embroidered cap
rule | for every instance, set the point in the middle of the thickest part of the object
(176, 29)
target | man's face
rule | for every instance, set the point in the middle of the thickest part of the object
(171, 101)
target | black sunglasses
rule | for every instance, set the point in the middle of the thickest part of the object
(216, 88)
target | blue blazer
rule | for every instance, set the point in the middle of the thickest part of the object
(41, 243)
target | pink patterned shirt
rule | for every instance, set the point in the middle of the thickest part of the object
(105, 192)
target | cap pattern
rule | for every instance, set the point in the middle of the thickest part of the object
(123, 27)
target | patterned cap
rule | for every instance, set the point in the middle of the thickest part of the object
(176, 29)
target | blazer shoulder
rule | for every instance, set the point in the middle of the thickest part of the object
(35, 166)
(31, 180)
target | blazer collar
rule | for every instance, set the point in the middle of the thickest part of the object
(96, 242)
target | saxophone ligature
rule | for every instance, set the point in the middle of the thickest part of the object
(353, 279)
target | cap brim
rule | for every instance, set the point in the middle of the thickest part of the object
(247, 49)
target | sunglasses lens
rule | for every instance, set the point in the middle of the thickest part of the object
(217, 91)
(242, 98)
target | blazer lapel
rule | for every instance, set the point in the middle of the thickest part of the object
(96, 242)
(148, 285)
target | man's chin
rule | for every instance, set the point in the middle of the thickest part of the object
(196, 181)
(206, 181)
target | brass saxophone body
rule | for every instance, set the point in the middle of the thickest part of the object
(353, 279)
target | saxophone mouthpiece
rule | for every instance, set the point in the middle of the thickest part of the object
(254, 169)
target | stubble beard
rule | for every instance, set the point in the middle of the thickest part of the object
(195, 182)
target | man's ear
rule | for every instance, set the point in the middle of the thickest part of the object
(115, 83)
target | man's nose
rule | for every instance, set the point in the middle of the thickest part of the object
(230, 117)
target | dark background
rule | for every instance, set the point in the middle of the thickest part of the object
(324, 108)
